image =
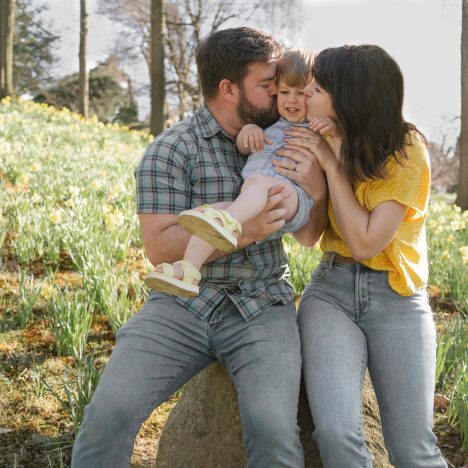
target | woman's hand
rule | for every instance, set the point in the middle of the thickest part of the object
(324, 126)
(309, 140)
(301, 165)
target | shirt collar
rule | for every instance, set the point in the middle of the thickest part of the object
(300, 124)
(208, 124)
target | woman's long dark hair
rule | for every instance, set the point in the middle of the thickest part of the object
(366, 88)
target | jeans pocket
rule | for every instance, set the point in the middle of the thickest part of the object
(319, 272)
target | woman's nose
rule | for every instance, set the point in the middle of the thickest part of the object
(308, 89)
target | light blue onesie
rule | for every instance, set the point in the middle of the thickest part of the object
(260, 163)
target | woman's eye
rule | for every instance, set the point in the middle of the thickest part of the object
(317, 89)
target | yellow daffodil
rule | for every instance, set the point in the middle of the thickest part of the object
(464, 253)
(55, 217)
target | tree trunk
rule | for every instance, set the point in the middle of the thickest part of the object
(181, 94)
(7, 27)
(462, 194)
(3, 5)
(157, 68)
(83, 104)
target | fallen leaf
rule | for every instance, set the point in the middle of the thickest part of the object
(441, 402)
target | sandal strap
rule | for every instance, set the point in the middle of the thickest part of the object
(191, 273)
(230, 222)
(167, 269)
(226, 219)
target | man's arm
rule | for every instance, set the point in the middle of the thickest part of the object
(165, 241)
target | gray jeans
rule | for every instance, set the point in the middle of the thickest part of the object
(164, 345)
(350, 319)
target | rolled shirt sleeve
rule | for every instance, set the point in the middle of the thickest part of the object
(162, 178)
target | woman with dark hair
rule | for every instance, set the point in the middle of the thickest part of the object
(366, 306)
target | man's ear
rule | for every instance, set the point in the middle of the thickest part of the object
(228, 90)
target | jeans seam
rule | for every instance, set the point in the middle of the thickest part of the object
(151, 406)
(239, 399)
(363, 372)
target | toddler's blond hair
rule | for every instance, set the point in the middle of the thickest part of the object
(295, 67)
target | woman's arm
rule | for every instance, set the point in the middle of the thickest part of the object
(365, 233)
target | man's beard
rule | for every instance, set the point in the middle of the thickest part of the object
(249, 113)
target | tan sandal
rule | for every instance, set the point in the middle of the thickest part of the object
(217, 227)
(166, 281)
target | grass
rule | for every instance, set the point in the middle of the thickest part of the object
(71, 263)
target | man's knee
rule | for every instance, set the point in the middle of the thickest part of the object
(273, 440)
(270, 426)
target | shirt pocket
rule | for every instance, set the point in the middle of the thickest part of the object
(212, 183)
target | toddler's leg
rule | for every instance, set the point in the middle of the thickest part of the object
(254, 196)
(181, 278)
(221, 229)
(198, 251)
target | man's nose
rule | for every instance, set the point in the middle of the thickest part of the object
(273, 89)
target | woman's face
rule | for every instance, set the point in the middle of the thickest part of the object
(319, 102)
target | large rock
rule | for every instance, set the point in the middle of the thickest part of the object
(204, 428)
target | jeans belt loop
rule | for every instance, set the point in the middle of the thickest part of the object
(331, 260)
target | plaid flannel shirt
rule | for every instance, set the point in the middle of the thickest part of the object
(194, 163)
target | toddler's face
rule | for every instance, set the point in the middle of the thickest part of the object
(291, 102)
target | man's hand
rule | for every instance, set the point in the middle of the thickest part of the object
(269, 220)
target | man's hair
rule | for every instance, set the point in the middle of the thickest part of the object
(366, 88)
(226, 54)
(295, 67)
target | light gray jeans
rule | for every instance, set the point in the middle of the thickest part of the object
(350, 319)
(164, 345)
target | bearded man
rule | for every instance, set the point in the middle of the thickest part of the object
(244, 315)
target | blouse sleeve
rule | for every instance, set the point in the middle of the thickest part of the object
(407, 181)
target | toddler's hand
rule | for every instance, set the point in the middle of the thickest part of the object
(324, 126)
(253, 138)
